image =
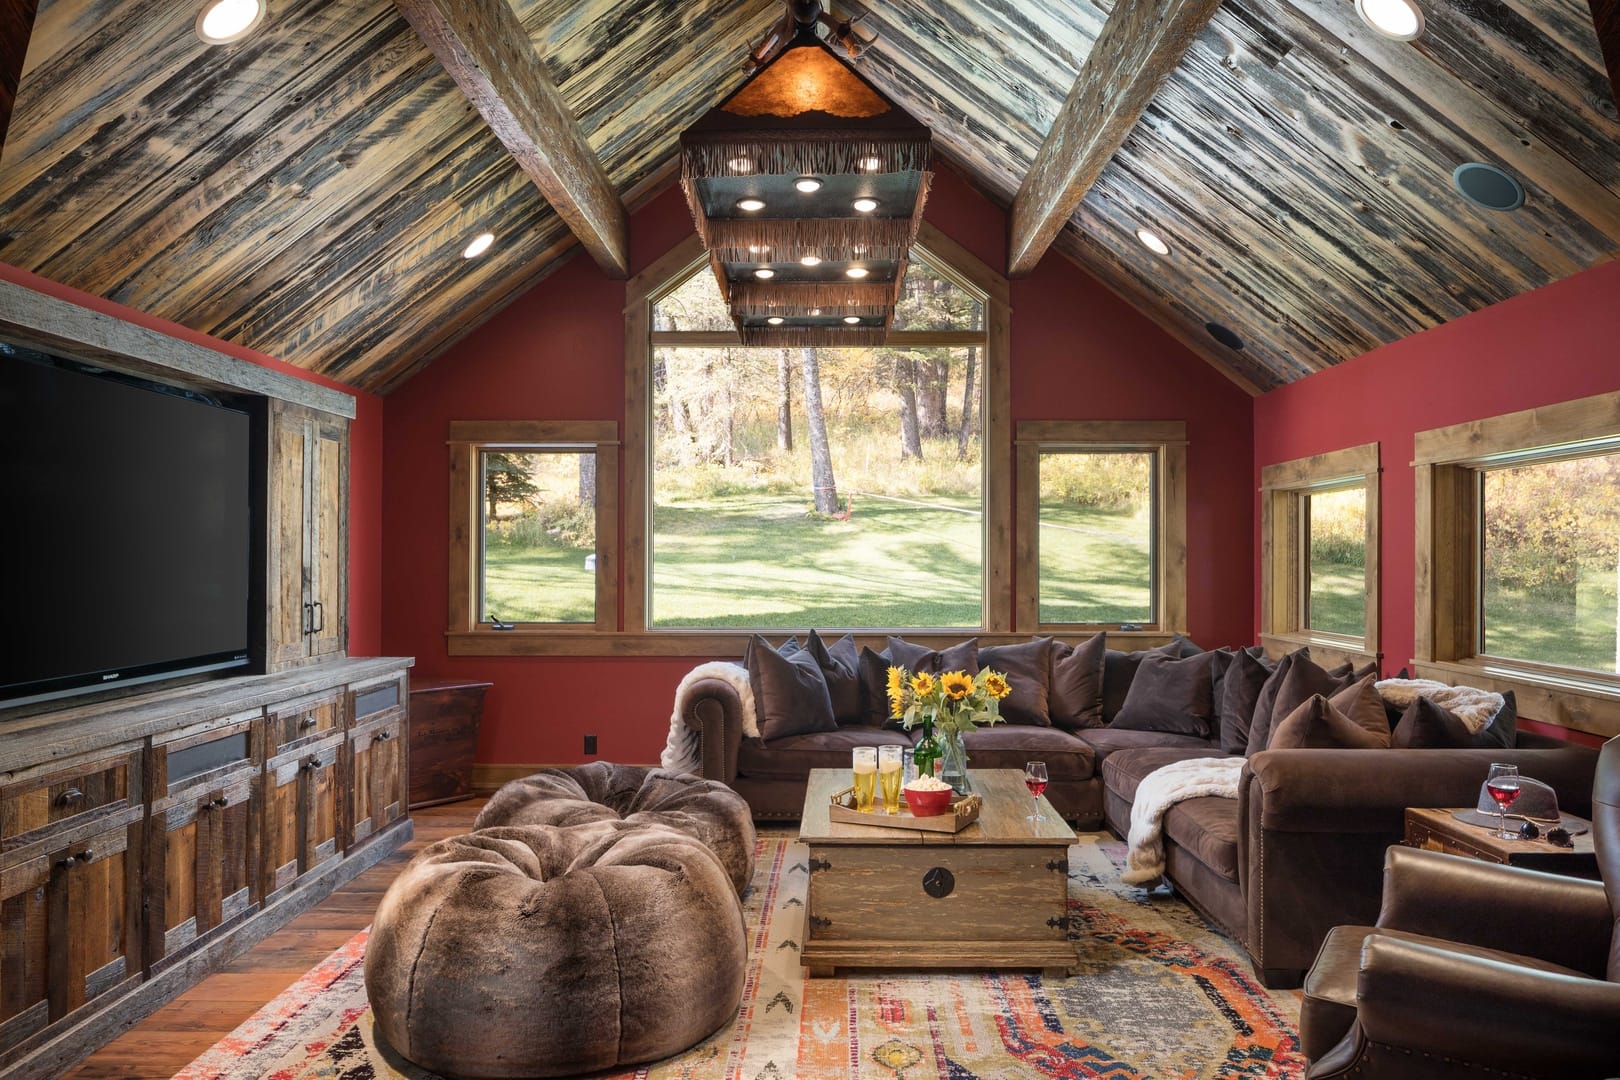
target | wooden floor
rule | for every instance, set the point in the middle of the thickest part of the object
(169, 1039)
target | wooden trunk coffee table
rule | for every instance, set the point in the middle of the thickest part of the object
(994, 895)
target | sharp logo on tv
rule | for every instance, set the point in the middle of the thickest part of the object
(114, 675)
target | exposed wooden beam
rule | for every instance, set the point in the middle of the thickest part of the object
(1140, 45)
(16, 26)
(1606, 17)
(483, 45)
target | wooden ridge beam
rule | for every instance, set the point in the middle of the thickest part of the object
(1606, 19)
(16, 27)
(1140, 45)
(483, 45)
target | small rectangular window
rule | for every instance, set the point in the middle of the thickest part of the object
(539, 536)
(1335, 573)
(1550, 562)
(1096, 522)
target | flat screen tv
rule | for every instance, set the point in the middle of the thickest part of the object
(127, 548)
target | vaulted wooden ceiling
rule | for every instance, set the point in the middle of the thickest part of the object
(308, 191)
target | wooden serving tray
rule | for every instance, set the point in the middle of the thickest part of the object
(964, 812)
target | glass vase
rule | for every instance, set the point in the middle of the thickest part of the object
(953, 762)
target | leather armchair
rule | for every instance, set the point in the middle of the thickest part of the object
(1477, 969)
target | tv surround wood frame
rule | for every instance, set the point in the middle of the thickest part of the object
(148, 834)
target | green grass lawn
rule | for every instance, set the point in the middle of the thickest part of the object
(1338, 598)
(541, 582)
(1527, 625)
(1095, 565)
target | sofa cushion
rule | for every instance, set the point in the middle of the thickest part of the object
(792, 758)
(1240, 690)
(1106, 741)
(1207, 827)
(1010, 746)
(790, 693)
(1295, 685)
(963, 656)
(1169, 694)
(1123, 772)
(1119, 671)
(840, 665)
(1352, 719)
(1076, 696)
(1028, 667)
(1426, 725)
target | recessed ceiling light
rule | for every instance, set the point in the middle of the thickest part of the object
(775, 320)
(479, 245)
(808, 184)
(225, 21)
(1398, 19)
(750, 204)
(865, 205)
(852, 319)
(857, 271)
(740, 165)
(1151, 241)
(810, 260)
(764, 272)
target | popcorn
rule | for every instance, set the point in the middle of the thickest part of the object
(928, 783)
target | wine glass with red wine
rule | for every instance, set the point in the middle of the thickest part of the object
(1035, 780)
(1503, 786)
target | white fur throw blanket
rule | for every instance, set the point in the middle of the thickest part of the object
(683, 750)
(1473, 706)
(1159, 791)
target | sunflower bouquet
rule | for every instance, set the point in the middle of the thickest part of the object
(955, 702)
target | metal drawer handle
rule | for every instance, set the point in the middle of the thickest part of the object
(69, 797)
(309, 721)
(218, 804)
(86, 855)
(383, 736)
(310, 763)
(65, 864)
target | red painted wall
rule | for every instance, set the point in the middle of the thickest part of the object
(558, 354)
(365, 455)
(1555, 344)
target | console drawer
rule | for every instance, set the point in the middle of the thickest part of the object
(45, 800)
(305, 720)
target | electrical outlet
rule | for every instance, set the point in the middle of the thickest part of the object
(590, 744)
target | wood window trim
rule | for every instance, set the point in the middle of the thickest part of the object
(1446, 465)
(1283, 489)
(468, 633)
(951, 261)
(1167, 438)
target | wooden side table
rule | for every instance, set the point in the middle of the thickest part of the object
(444, 736)
(1435, 829)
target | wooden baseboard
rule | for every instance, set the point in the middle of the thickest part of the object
(488, 779)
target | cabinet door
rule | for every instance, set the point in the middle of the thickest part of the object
(376, 779)
(288, 598)
(204, 866)
(328, 538)
(24, 949)
(301, 796)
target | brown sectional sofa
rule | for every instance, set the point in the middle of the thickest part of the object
(1301, 849)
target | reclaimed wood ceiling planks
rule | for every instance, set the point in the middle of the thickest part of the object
(307, 192)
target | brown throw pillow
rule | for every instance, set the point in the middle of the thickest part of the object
(1352, 719)
(1028, 668)
(963, 656)
(1169, 695)
(1240, 689)
(1076, 696)
(790, 693)
(1426, 725)
(1260, 722)
(1304, 678)
(1119, 669)
(841, 666)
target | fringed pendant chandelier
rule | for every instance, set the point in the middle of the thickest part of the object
(807, 186)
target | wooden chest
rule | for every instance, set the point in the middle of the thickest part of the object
(879, 896)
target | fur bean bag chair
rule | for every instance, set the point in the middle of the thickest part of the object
(706, 810)
(545, 951)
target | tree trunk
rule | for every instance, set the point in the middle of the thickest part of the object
(587, 479)
(965, 433)
(821, 469)
(905, 379)
(784, 401)
(933, 381)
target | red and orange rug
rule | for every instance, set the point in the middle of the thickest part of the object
(1159, 995)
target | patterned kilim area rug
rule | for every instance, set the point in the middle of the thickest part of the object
(1158, 995)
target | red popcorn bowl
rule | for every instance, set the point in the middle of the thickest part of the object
(929, 803)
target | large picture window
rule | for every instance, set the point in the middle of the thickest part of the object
(1518, 559)
(819, 487)
(1319, 554)
(1102, 525)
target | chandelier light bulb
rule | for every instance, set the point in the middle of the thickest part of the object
(871, 164)
(810, 260)
(852, 319)
(764, 272)
(750, 204)
(740, 165)
(857, 272)
(865, 205)
(808, 184)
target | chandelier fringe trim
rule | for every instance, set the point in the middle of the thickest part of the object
(833, 239)
(793, 153)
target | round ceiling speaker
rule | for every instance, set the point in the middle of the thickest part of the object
(1487, 186)
(1223, 335)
